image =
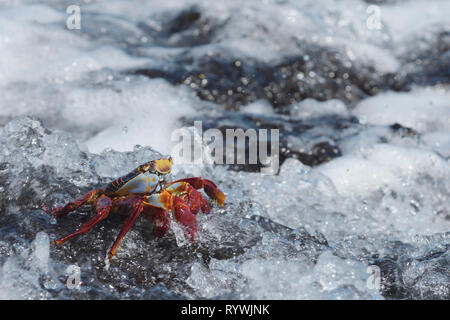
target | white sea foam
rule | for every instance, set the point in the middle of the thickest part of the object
(146, 116)
(423, 110)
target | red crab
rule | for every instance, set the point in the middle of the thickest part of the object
(145, 191)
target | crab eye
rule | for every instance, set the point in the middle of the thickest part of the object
(163, 166)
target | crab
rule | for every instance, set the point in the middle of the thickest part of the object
(145, 191)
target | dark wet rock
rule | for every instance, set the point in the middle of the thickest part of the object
(391, 284)
(184, 20)
(403, 131)
(312, 141)
(317, 73)
(426, 276)
(188, 28)
(321, 152)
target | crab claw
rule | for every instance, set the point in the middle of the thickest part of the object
(195, 201)
(214, 192)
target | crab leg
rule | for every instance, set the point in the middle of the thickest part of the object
(210, 188)
(159, 217)
(137, 207)
(73, 205)
(183, 215)
(102, 205)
